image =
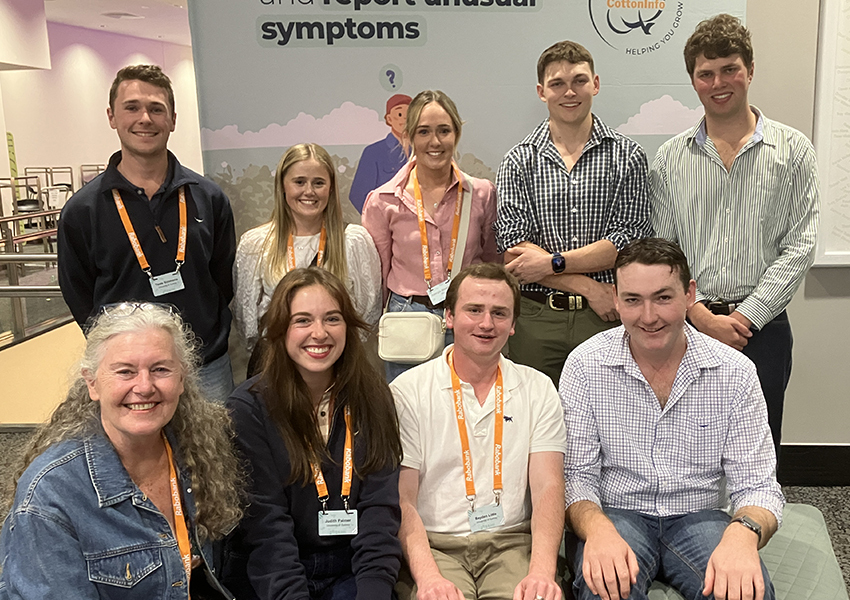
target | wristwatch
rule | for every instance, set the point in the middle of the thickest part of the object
(749, 524)
(559, 263)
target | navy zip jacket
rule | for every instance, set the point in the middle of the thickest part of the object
(281, 522)
(97, 265)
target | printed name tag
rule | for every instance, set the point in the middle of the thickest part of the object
(438, 293)
(486, 517)
(166, 283)
(338, 522)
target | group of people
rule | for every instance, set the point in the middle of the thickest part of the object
(641, 396)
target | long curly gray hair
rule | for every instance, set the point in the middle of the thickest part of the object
(203, 430)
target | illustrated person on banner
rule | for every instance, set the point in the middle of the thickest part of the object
(383, 159)
(739, 192)
(661, 420)
(148, 228)
(481, 483)
(571, 194)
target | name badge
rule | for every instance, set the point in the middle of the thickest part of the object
(338, 522)
(438, 293)
(486, 517)
(166, 283)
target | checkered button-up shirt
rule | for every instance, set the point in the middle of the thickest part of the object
(624, 451)
(603, 197)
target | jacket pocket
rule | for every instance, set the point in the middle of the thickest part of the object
(123, 568)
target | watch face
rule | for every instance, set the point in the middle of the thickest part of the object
(559, 263)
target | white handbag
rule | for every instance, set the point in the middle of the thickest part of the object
(412, 338)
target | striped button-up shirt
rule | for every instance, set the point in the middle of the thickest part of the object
(625, 451)
(603, 197)
(749, 233)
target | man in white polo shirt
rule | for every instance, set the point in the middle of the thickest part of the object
(481, 486)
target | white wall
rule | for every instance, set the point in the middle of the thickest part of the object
(58, 117)
(817, 411)
(23, 35)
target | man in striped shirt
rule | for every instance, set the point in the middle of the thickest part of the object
(739, 192)
(571, 194)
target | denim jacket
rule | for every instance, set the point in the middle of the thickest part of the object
(80, 528)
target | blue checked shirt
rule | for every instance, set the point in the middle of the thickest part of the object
(748, 233)
(624, 451)
(604, 197)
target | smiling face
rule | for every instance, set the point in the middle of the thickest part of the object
(307, 188)
(315, 338)
(722, 85)
(138, 384)
(568, 90)
(142, 118)
(482, 319)
(434, 139)
(653, 305)
(396, 119)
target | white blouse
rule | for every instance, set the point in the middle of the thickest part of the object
(254, 290)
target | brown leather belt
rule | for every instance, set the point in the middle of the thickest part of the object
(721, 307)
(426, 301)
(558, 300)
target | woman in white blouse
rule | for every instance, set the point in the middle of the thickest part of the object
(306, 229)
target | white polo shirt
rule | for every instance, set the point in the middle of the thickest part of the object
(533, 422)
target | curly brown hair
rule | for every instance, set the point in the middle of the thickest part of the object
(718, 37)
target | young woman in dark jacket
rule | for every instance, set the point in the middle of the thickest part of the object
(319, 414)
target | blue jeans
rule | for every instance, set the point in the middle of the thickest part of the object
(403, 304)
(329, 575)
(216, 379)
(672, 549)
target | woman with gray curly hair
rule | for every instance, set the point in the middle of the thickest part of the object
(126, 486)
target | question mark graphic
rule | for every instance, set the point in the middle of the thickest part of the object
(391, 75)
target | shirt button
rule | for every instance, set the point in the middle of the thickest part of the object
(140, 192)
(574, 210)
(726, 239)
(728, 210)
(574, 239)
(437, 253)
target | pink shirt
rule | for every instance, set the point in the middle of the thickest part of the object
(389, 215)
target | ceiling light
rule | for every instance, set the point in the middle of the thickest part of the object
(121, 15)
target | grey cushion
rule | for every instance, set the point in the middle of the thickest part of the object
(799, 558)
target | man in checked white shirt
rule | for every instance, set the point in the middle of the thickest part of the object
(739, 192)
(657, 416)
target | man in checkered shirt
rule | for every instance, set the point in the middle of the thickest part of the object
(571, 194)
(658, 415)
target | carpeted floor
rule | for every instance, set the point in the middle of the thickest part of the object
(832, 501)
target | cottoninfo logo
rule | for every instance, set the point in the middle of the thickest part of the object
(636, 27)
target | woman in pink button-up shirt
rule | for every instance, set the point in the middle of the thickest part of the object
(389, 214)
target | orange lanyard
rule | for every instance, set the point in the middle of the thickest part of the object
(464, 436)
(180, 530)
(347, 468)
(290, 251)
(134, 239)
(423, 233)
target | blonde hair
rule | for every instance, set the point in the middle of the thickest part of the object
(275, 246)
(420, 101)
(202, 429)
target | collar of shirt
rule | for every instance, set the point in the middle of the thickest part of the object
(699, 133)
(510, 378)
(109, 477)
(698, 356)
(402, 178)
(541, 138)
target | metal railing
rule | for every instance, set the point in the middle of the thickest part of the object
(12, 238)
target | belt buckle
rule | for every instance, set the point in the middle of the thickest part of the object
(551, 304)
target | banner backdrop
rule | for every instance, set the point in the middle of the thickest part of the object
(273, 73)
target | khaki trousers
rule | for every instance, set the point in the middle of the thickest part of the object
(484, 565)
